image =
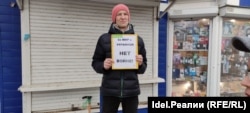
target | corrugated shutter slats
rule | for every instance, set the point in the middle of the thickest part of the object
(63, 38)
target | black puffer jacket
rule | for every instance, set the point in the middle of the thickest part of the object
(119, 83)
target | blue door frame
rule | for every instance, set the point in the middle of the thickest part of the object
(10, 58)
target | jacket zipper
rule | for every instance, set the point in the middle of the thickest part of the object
(122, 84)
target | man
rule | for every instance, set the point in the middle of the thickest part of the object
(243, 44)
(118, 86)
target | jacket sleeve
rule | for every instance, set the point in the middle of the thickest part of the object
(142, 51)
(98, 57)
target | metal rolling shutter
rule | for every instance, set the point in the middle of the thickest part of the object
(63, 37)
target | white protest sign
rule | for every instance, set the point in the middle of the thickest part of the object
(124, 48)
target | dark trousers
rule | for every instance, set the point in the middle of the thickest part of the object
(111, 104)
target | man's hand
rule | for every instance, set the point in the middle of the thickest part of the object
(139, 59)
(107, 63)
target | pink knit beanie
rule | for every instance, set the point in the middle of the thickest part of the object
(117, 8)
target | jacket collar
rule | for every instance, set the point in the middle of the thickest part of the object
(115, 30)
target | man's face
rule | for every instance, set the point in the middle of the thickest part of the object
(246, 82)
(122, 19)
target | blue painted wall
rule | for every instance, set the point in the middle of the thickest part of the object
(10, 58)
(162, 54)
(244, 3)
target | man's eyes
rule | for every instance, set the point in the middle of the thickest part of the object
(120, 14)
